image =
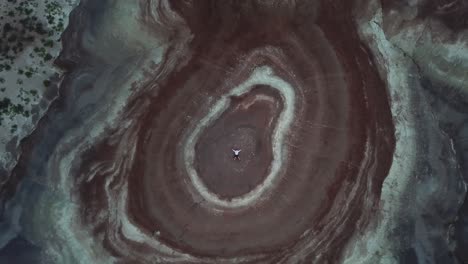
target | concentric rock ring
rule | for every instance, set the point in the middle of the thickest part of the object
(280, 131)
(312, 177)
(247, 123)
(133, 162)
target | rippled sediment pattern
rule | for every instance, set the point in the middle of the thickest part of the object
(133, 163)
(313, 157)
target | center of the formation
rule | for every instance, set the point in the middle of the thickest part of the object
(234, 154)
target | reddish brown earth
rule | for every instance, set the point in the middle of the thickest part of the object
(350, 116)
(339, 146)
(247, 125)
(328, 164)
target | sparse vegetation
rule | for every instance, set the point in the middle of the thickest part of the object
(48, 57)
(30, 26)
(46, 83)
(9, 109)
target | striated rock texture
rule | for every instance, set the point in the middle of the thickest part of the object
(352, 143)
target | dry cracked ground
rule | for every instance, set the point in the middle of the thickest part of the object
(351, 117)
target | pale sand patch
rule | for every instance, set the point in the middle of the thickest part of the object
(374, 246)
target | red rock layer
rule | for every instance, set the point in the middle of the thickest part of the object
(247, 125)
(338, 147)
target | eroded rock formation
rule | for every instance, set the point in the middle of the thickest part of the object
(133, 163)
